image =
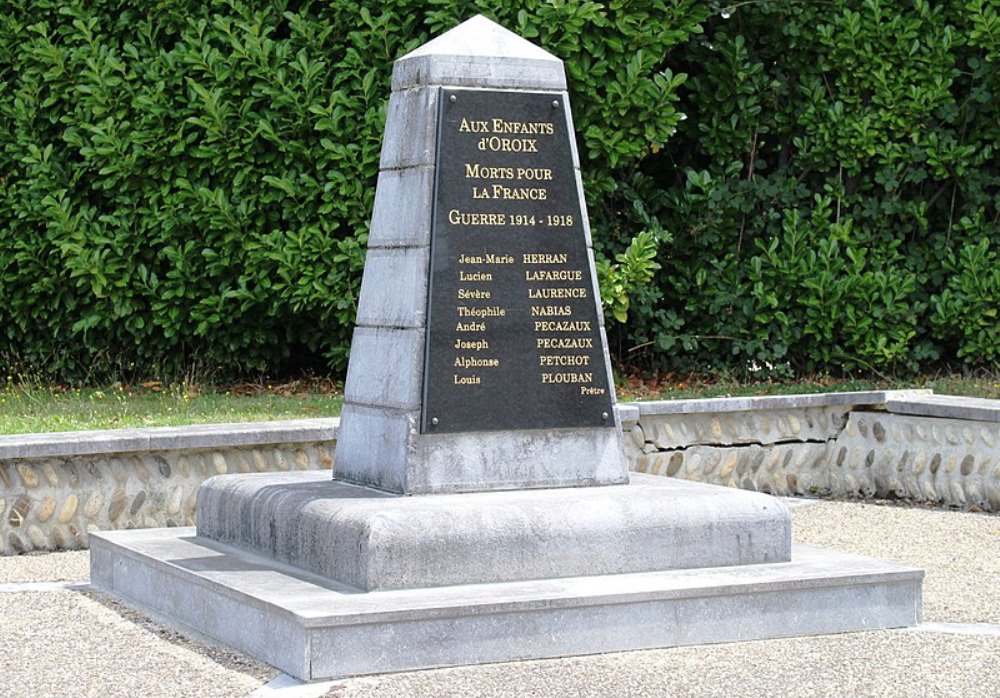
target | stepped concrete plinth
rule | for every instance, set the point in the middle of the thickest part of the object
(374, 541)
(314, 628)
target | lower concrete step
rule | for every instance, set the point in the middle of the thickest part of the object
(313, 628)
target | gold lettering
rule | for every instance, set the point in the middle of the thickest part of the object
(473, 126)
(509, 145)
(456, 217)
(560, 360)
(556, 275)
(544, 258)
(491, 311)
(567, 378)
(564, 343)
(519, 193)
(562, 326)
(477, 345)
(476, 171)
(473, 294)
(551, 311)
(530, 128)
(556, 293)
(475, 362)
(470, 327)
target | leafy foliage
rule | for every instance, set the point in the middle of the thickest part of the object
(786, 186)
(190, 183)
(837, 163)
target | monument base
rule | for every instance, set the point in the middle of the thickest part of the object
(372, 540)
(314, 627)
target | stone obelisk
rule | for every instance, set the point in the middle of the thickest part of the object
(479, 361)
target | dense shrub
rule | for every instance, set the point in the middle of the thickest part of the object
(188, 182)
(834, 193)
(789, 186)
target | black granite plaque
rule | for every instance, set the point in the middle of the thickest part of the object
(513, 335)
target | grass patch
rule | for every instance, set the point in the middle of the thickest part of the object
(32, 408)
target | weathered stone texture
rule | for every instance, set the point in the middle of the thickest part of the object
(53, 503)
(833, 450)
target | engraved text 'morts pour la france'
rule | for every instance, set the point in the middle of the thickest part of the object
(513, 335)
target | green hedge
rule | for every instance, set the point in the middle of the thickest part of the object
(834, 193)
(188, 184)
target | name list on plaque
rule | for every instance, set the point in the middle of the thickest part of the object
(513, 336)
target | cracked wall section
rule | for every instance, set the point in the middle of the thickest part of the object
(839, 450)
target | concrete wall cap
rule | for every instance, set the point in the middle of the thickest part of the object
(949, 406)
(80, 443)
(774, 402)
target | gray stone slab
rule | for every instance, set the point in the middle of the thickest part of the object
(361, 538)
(373, 350)
(381, 447)
(374, 447)
(628, 415)
(313, 628)
(946, 406)
(410, 129)
(482, 54)
(862, 398)
(535, 458)
(81, 443)
(394, 288)
(402, 213)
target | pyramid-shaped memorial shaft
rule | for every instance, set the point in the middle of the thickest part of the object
(479, 361)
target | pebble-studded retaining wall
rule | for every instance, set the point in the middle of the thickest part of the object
(56, 488)
(53, 494)
(907, 444)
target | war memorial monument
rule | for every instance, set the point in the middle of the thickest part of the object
(481, 508)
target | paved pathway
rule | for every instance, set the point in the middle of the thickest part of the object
(58, 638)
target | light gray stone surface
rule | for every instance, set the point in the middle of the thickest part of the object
(470, 461)
(82, 443)
(410, 131)
(773, 402)
(67, 642)
(530, 458)
(312, 628)
(402, 213)
(374, 450)
(387, 269)
(392, 361)
(359, 537)
(480, 53)
(946, 406)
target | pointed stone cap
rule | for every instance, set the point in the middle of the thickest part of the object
(479, 53)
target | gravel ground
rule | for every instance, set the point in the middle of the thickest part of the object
(960, 552)
(72, 642)
(72, 566)
(885, 664)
